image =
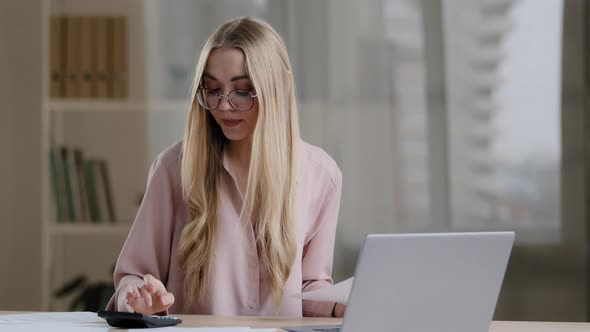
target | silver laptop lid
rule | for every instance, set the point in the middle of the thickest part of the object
(443, 282)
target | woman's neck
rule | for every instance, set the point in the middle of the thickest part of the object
(239, 153)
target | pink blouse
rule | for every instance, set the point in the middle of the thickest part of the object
(239, 284)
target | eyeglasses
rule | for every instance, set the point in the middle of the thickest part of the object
(241, 100)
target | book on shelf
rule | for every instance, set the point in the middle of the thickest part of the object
(57, 184)
(57, 46)
(101, 63)
(95, 213)
(87, 81)
(75, 180)
(72, 58)
(88, 57)
(119, 65)
(70, 214)
(100, 190)
(108, 194)
(81, 187)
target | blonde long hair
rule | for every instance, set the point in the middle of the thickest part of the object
(269, 199)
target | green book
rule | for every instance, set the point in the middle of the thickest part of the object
(107, 191)
(55, 168)
(71, 214)
(93, 206)
(82, 199)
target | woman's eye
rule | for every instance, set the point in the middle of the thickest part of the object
(243, 93)
(244, 88)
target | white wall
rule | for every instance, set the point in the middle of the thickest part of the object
(20, 128)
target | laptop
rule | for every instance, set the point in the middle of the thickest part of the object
(444, 282)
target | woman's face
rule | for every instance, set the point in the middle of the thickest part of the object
(226, 71)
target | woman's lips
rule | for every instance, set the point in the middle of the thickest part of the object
(231, 123)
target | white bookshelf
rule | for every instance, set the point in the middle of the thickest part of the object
(89, 229)
(81, 106)
(119, 146)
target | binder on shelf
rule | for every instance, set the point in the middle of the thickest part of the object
(118, 55)
(88, 57)
(86, 53)
(57, 47)
(101, 64)
(73, 63)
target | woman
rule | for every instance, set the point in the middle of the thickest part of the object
(241, 213)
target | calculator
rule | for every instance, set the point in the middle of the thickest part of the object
(131, 320)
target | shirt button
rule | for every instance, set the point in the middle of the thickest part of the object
(252, 306)
(252, 262)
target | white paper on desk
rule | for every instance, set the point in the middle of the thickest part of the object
(53, 327)
(207, 329)
(54, 322)
(75, 318)
(336, 293)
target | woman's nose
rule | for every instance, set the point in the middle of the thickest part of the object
(224, 104)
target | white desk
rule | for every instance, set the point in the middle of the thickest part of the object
(276, 322)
